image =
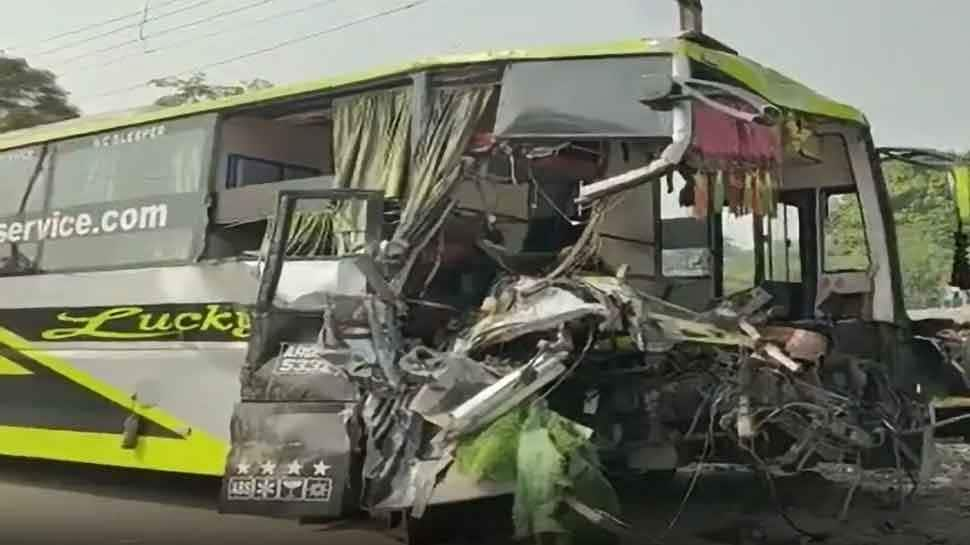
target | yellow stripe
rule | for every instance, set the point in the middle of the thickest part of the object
(197, 452)
(155, 453)
(9, 368)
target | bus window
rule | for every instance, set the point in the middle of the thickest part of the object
(686, 259)
(783, 259)
(21, 200)
(131, 164)
(245, 171)
(16, 169)
(739, 265)
(846, 246)
(135, 196)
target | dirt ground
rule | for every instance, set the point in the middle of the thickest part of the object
(731, 507)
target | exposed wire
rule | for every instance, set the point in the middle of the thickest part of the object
(270, 49)
(194, 40)
(698, 471)
(88, 27)
(170, 30)
(111, 32)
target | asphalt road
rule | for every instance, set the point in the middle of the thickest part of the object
(44, 503)
(63, 504)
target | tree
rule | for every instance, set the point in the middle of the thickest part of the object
(925, 222)
(196, 88)
(30, 96)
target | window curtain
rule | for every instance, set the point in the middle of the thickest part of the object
(371, 148)
(453, 116)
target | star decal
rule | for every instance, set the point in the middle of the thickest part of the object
(268, 467)
(243, 467)
(295, 468)
(320, 469)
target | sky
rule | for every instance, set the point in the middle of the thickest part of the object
(893, 59)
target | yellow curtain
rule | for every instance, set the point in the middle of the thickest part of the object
(436, 164)
(371, 149)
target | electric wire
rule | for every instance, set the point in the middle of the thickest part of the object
(194, 40)
(270, 49)
(170, 30)
(111, 32)
(85, 28)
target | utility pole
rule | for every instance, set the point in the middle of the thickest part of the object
(691, 16)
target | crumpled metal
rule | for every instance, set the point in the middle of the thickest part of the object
(449, 380)
(544, 310)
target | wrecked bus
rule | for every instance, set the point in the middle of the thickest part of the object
(526, 272)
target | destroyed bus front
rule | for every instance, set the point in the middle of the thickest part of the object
(574, 271)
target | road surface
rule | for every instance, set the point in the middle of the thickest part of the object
(62, 504)
(43, 503)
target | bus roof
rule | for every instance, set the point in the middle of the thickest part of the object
(773, 86)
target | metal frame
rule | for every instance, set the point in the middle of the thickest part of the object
(287, 202)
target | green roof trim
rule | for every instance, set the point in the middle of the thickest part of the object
(775, 87)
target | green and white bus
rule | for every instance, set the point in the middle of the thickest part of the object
(135, 306)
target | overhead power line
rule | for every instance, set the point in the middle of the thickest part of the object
(280, 45)
(194, 40)
(123, 28)
(170, 30)
(85, 28)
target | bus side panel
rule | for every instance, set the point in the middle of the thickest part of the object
(162, 361)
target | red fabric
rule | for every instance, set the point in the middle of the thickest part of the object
(720, 139)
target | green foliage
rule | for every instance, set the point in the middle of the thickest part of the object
(549, 458)
(29, 96)
(490, 455)
(738, 268)
(555, 460)
(925, 222)
(196, 88)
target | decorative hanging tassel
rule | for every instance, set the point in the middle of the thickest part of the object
(764, 193)
(771, 182)
(748, 193)
(735, 191)
(718, 192)
(700, 195)
(757, 194)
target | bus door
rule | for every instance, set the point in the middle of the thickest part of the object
(314, 322)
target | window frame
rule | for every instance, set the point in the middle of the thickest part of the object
(207, 121)
(773, 269)
(231, 182)
(824, 197)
